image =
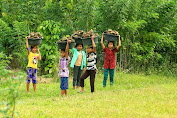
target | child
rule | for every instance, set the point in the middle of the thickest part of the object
(32, 65)
(63, 69)
(109, 62)
(91, 67)
(78, 62)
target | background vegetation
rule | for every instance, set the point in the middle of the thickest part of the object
(147, 29)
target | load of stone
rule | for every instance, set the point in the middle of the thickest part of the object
(65, 39)
(80, 34)
(35, 38)
(111, 35)
(113, 32)
(35, 35)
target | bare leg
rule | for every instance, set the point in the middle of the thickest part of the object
(34, 86)
(74, 87)
(66, 92)
(27, 85)
(82, 89)
(78, 87)
(62, 92)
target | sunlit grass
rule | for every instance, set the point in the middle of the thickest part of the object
(131, 96)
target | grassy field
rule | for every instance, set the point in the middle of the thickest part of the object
(131, 96)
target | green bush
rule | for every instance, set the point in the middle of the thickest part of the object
(9, 84)
(52, 31)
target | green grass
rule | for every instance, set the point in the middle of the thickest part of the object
(131, 96)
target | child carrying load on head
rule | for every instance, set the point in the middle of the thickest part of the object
(109, 62)
(91, 66)
(63, 69)
(78, 63)
(33, 58)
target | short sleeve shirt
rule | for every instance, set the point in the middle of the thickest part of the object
(91, 61)
(32, 60)
(63, 67)
(109, 61)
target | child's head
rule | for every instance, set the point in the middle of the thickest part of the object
(90, 49)
(34, 48)
(62, 52)
(79, 47)
(110, 44)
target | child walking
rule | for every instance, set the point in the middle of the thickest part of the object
(109, 62)
(33, 58)
(78, 63)
(91, 66)
(63, 69)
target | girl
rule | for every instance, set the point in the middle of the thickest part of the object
(78, 62)
(91, 67)
(63, 69)
(32, 65)
(109, 62)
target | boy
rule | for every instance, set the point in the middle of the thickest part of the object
(91, 66)
(63, 69)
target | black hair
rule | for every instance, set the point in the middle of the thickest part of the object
(63, 50)
(111, 42)
(90, 47)
(79, 44)
(33, 46)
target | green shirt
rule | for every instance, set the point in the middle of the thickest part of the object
(75, 55)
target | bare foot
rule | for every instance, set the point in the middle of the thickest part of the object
(81, 91)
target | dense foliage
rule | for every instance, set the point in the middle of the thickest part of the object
(147, 28)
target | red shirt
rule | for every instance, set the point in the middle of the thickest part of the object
(110, 56)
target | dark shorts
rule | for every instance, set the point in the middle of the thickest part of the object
(64, 83)
(31, 74)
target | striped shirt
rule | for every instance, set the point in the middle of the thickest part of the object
(91, 61)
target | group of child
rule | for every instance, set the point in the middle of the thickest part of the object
(78, 63)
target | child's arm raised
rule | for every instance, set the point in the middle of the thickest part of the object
(67, 48)
(39, 57)
(102, 44)
(27, 46)
(93, 43)
(119, 43)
